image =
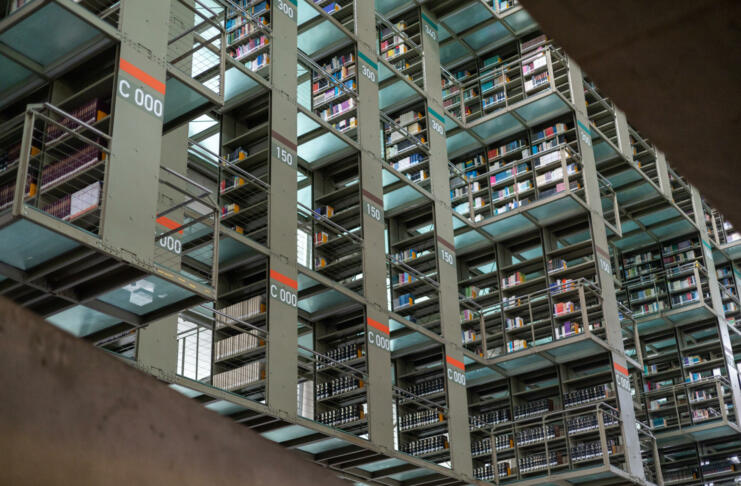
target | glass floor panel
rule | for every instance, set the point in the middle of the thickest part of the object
(146, 295)
(81, 321)
(25, 245)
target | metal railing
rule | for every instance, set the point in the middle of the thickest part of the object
(653, 292)
(551, 176)
(684, 405)
(197, 44)
(567, 439)
(506, 83)
(187, 231)
(60, 165)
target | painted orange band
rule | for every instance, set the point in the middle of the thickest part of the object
(169, 224)
(621, 369)
(145, 78)
(283, 279)
(455, 362)
(377, 325)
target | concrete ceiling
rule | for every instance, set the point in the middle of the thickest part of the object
(674, 68)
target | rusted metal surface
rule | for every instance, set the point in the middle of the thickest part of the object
(72, 415)
(672, 66)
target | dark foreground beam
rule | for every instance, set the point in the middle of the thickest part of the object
(72, 415)
(673, 67)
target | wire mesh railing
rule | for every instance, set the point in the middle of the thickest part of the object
(197, 43)
(61, 164)
(187, 230)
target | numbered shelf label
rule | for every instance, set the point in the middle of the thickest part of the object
(621, 377)
(456, 371)
(372, 206)
(287, 7)
(437, 122)
(604, 260)
(368, 67)
(284, 150)
(430, 27)
(585, 133)
(446, 251)
(140, 89)
(170, 242)
(283, 289)
(378, 335)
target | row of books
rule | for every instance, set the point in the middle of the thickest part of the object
(555, 175)
(405, 278)
(392, 41)
(244, 50)
(338, 386)
(336, 67)
(334, 92)
(344, 415)
(387, 31)
(230, 182)
(534, 63)
(243, 28)
(94, 110)
(326, 211)
(404, 300)
(395, 51)
(70, 166)
(409, 161)
(587, 395)
(506, 149)
(514, 279)
(519, 169)
(337, 109)
(397, 135)
(258, 62)
(345, 124)
(547, 159)
(240, 20)
(347, 352)
(486, 472)
(489, 418)
(241, 310)
(246, 5)
(562, 285)
(537, 81)
(76, 204)
(516, 345)
(470, 336)
(493, 100)
(235, 345)
(560, 308)
(240, 377)
(229, 209)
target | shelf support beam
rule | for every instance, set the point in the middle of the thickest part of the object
(458, 428)
(601, 250)
(380, 397)
(282, 355)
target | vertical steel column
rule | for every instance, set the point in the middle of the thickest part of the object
(282, 354)
(156, 344)
(610, 308)
(129, 218)
(715, 297)
(380, 399)
(460, 438)
(662, 169)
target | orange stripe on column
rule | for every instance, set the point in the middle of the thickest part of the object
(455, 362)
(283, 279)
(169, 224)
(145, 78)
(377, 325)
(621, 369)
